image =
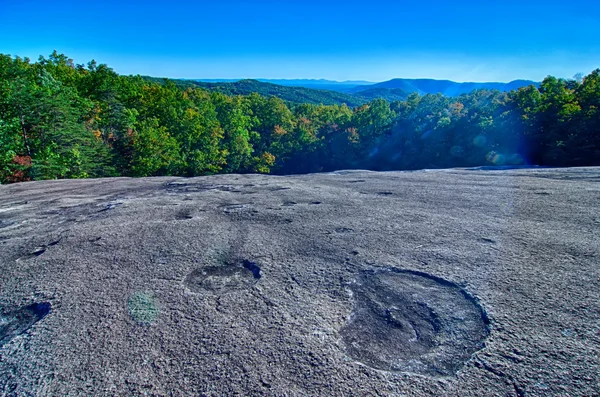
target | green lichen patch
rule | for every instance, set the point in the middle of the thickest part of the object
(142, 307)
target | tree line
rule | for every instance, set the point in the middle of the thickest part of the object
(287, 93)
(64, 120)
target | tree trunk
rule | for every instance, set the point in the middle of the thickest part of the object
(24, 131)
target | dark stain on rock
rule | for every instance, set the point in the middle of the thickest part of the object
(316, 202)
(343, 230)
(17, 322)
(4, 224)
(385, 193)
(178, 187)
(184, 215)
(222, 279)
(252, 267)
(407, 321)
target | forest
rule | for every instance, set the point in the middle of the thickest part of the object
(287, 93)
(64, 120)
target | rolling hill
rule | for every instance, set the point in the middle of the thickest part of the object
(329, 92)
(445, 87)
(317, 84)
(287, 93)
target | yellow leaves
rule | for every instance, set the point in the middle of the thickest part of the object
(268, 158)
(353, 135)
(191, 113)
(263, 163)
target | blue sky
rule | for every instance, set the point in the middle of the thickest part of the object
(339, 40)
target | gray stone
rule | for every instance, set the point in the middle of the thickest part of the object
(443, 283)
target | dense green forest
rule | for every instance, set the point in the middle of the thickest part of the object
(63, 120)
(290, 93)
(287, 93)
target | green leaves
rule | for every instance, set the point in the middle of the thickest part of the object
(60, 120)
(155, 151)
(234, 118)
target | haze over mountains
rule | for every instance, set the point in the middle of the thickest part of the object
(351, 93)
(422, 86)
(446, 87)
(317, 84)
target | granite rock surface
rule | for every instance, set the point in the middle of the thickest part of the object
(462, 282)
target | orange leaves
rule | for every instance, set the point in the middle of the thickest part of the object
(456, 108)
(22, 160)
(18, 174)
(279, 130)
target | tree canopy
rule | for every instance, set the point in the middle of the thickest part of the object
(63, 120)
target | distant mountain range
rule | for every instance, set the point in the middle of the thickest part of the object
(352, 93)
(287, 93)
(407, 86)
(445, 87)
(320, 84)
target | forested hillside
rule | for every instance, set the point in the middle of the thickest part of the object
(389, 94)
(62, 120)
(287, 93)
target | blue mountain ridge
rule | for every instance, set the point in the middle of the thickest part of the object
(391, 87)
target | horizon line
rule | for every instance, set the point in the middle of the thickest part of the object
(208, 80)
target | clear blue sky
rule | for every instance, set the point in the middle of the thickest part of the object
(340, 40)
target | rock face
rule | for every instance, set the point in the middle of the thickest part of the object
(354, 283)
(412, 322)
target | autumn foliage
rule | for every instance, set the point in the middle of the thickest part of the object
(62, 120)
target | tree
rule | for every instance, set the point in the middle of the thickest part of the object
(272, 120)
(235, 120)
(155, 151)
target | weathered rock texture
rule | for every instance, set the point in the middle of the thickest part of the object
(450, 282)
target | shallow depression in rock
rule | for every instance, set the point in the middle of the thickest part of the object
(226, 278)
(409, 321)
(17, 322)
